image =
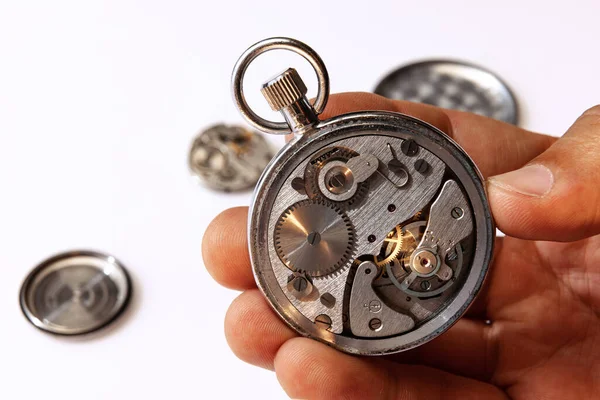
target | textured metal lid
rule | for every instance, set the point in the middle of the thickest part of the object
(75, 292)
(454, 85)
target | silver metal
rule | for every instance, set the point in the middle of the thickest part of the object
(284, 90)
(287, 93)
(452, 84)
(436, 284)
(336, 181)
(280, 43)
(363, 166)
(75, 292)
(366, 305)
(300, 286)
(443, 229)
(334, 158)
(323, 321)
(314, 238)
(357, 132)
(228, 157)
(425, 262)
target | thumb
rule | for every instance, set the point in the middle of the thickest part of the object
(557, 195)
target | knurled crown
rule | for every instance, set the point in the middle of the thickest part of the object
(284, 90)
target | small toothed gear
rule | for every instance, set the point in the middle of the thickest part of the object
(391, 248)
(396, 244)
(314, 237)
(311, 174)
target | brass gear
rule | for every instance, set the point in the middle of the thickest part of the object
(397, 244)
(392, 247)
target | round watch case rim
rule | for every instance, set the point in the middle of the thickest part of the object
(390, 75)
(349, 125)
(35, 321)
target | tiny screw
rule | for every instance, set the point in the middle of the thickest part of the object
(300, 284)
(313, 238)
(328, 300)
(375, 306)
(421, 166)
(457, 213)
(368, 271)
(375, 324)
(337, 181)
(323, 321)
(392, 208)
(371, 238)
(409, 147)
(425, 285)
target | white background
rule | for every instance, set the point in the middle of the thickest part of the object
(99, 101)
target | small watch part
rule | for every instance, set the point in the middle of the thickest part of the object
(228, 157)
(75, 292)
(452, 84)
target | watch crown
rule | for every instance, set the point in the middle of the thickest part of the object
(284, 90)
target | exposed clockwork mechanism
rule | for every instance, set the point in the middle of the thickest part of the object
(314, 237)
(369, 231)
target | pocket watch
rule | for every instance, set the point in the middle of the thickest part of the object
(369, 231)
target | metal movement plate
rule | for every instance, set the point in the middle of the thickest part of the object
(229, 158)
(454, 85)
(75, 292)
(371, 232)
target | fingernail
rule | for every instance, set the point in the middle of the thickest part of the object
(531, 180)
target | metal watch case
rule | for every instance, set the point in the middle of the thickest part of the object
(370, 231)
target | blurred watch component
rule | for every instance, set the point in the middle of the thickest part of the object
(454, 85)
(229, 158)
(75, 292)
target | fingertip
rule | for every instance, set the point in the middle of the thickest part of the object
(592, 111)
(509, 213)
(343, 103)
(253, 331)
(225, 249)
(298, 372)
(530, 217)
(309, 369)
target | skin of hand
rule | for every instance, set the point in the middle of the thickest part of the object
(542, 294)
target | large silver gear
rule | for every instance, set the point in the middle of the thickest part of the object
(314, 237)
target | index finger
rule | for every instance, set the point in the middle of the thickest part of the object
(495, 146)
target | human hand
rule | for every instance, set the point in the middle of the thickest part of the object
(542, 294)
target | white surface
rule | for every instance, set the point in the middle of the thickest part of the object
(98, 104)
